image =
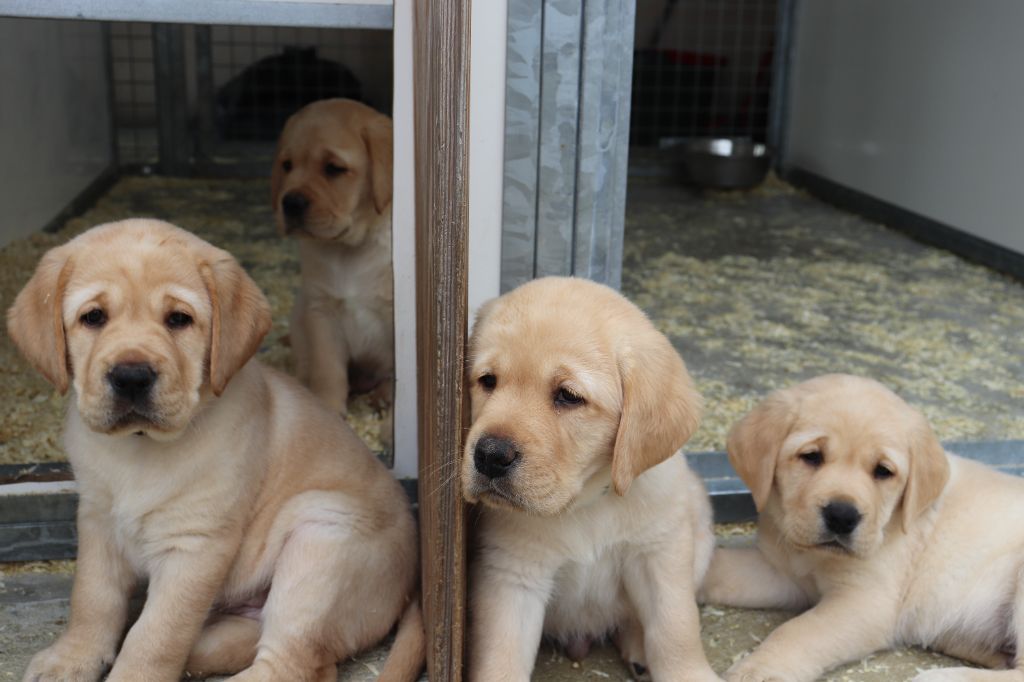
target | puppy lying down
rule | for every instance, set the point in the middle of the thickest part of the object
(883, 538)
(274, 543)
(592, 524)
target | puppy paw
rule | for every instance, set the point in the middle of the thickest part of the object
(62, 663)
(266, 671)
(629, 640)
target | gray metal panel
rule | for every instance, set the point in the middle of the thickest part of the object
(569, 67)
(522, 113)
(559, 127)
(603, 140)
(778, 114)
(175, 142)
(237, 12)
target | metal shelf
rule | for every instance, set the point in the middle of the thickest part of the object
(374, 14)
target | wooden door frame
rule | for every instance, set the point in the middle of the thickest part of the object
(441, 46)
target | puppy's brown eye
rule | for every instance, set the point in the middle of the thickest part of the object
(814, 458)
(178, 320)
(333, 170)
(95, 318)
(286, 166)
(566, 398)
(488, 382)
(882, 472)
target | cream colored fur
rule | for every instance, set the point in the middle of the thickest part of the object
(337, 155)
(600, 528)
(273, 542)
(938, 560)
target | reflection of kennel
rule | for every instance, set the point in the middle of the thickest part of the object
(212, 99)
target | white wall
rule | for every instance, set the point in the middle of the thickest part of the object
(919, 103)
(54, 119)
(403, 226)
(489, 39)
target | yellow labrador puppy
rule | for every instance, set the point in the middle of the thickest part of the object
(592, 524)
(274, 543)
(331, 188)
(883, 537)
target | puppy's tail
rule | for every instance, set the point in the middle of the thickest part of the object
(408, 653)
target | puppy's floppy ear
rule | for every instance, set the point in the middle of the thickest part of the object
(378, 137)
(754, 442)
(660, 407)
(929, 471)
(241, 317)
(36, 320)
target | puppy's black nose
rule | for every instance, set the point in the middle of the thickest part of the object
(132, 381)
(840, 517)
(493, 457)
(294, 204)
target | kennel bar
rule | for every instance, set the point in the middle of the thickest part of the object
(333, 13)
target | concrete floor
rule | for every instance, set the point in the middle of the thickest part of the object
(763, 289)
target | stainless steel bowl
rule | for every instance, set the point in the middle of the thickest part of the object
(726, 163)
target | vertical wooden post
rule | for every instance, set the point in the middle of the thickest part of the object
(441, 105)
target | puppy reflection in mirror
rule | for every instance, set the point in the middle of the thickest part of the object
(883, 537)
(331, 189)
(592, 524)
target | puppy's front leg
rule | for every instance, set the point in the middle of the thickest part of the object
(328, 356)
(181, 591)
(743, 577)
(661, 585)
(842, 627)
(507, 622)
(99, 607)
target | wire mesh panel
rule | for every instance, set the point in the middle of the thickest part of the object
(135, 112)
(262, 75)
(702, 68)
(240, 84)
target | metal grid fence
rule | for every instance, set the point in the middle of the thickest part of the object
(134, 82)
(240, 84)
(702, 68)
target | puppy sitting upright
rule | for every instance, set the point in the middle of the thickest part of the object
(592, 524)
(273, 541)
(331, 187)
(884, 538)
